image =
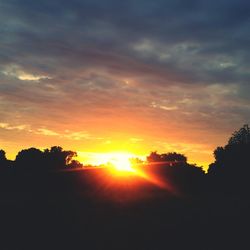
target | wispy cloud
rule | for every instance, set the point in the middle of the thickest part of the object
(80, 135)
(7, 126)
(15, 71)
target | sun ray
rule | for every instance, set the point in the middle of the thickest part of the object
(121, 166)
(124, 172)
(121, 162)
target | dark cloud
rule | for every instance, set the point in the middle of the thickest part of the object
(104, 33)
(184, 61)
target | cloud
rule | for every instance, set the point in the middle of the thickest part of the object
(80, 135)
(15, 71)
(65, 65)
(169, 37)
(46, 132)
(167, 108)
(7, 126)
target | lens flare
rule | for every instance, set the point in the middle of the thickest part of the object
(121, 162)
(123, 171)
(121, 166)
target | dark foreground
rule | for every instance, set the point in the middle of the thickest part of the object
(90, 210)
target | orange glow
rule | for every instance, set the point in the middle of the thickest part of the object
(103, 143)
(120, 167)
(122, 180)
(152, 179)
(104, 158)
(120, 162)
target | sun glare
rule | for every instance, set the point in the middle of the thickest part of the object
(121, 162)
(121, 166)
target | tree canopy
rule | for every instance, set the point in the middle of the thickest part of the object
(240, 137)
(171, 157)
(3, 160)
(232, 160)
(55, 158)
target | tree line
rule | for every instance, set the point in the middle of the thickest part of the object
(33, 159)
(40, 203)
(231, 162)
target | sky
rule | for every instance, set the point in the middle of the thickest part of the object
(126, 76)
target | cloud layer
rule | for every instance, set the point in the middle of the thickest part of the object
(169, 71)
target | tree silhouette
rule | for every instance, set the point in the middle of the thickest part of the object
(3, 160)
(174, 167)
(154, 157)
(29, 160)
(240, 137)
(57, 158)
(84, 197)
(231, 166)
(171, 157)
(34, 159)
(174, 157)
(2, 156)
(74, 164)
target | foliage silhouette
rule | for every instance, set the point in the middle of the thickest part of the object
(4, 163)
(235, 155)
(56, 158)
(174, 167)
(2, 155)
(52, 159)
(29, 160)
(76, 209)
(74, 164)
(240, 137)
(171, 157)
(230, 171)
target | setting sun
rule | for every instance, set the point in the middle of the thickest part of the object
(121, 162)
